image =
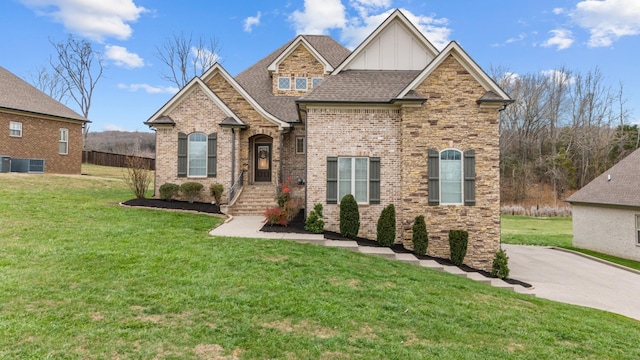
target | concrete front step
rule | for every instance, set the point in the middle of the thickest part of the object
(384, 252)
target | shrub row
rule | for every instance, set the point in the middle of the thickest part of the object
(190, 190)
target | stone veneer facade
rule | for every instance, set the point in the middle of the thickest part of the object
(300, 63)
(40, 140)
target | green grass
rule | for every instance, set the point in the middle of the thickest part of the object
(555, 231)
(83, 278)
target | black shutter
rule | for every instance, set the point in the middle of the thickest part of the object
(374, 180)
(212, 154)
(332, 180)
(433, 172)
(470, 177)
(182, 155)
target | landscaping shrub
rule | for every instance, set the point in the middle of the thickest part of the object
(500, 267)
(137, 175)
(276, 216)
(216, 191)
(349, 217)
(315, 222)
(191, 190)
(458, 240)
(386, 226)
(169, 191)
(420, 236)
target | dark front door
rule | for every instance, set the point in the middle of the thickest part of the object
(263, 162)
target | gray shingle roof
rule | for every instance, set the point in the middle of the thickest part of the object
(620, 185)
(362, 86)
(17, 94)
(257, 82)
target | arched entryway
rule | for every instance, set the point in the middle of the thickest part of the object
(262, 154)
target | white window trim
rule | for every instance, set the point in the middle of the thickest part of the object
(353, 178)
(63, 141)
(313, 80)
(206, 155)
(306, 83)
(284, 77)
(461, 176)
(304, 144)
(15, 126)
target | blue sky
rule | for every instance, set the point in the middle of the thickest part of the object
(519, 36)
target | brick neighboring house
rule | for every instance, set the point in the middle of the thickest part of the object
(394, 121)
(39, 134)
(606, 211)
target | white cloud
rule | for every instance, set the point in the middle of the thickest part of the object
(512, 40)
(149, 89)
(558, 76)
(558, 11)
(319, 16)
(607, 20)
(204, 58)
(121, 57)
(561, 39)
(252, 21)
(112, 127)
(95, 20)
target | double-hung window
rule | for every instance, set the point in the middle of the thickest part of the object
(452, 177)
(638, 229)
(300, 145)
(63, 142)
(15, 129)
(197, 154)
(358, 176)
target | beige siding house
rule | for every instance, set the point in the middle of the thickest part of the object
(39, 134)
(606, 212)
(394, 121)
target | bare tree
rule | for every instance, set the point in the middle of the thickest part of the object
(81, 68)
(185, 57)
(50, 83)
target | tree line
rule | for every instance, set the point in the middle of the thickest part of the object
(564, 129)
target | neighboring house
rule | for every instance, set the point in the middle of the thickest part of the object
(39, 134)
(394, 121)
(606, 211)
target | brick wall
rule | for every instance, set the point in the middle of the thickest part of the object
(451, 118)
(39, 140)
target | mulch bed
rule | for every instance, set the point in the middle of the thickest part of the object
(297, 226)
(208, 208)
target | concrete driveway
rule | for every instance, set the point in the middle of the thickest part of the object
(570, 278)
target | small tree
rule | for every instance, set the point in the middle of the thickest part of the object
(216, 191)
(386, 226)
(191, 190)
(169, 191)
(420, 236)
(314, 222)
(137, 175)
(349, 217)
(458, 240)
(500, 267)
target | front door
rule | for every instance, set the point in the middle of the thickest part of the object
(263, 162)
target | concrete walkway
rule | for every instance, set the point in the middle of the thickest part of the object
(249, 227)
(575, 279)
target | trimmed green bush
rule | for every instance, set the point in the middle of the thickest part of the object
(349, 217)
(169, 191)
(458, 240)
(420, 236)
(216, 191)
(191, 190)
(315, 222)
(386, 226)
(500, 267)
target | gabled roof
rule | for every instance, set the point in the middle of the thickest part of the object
(161, 117)
(218, 69)
(398, 16)
(455, 50)
(17, 94)
(620, 185)
(258, 83)
(300, 40)
(361, 86)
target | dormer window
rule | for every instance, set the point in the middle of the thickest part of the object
(284, 83)
(315, 81)
(301, 83)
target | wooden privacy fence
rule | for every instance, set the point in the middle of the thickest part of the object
(116, 160)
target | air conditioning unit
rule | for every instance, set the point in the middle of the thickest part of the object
(32, 166)
(5, 164)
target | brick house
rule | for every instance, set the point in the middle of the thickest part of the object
(39, 134)
(394, 121)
